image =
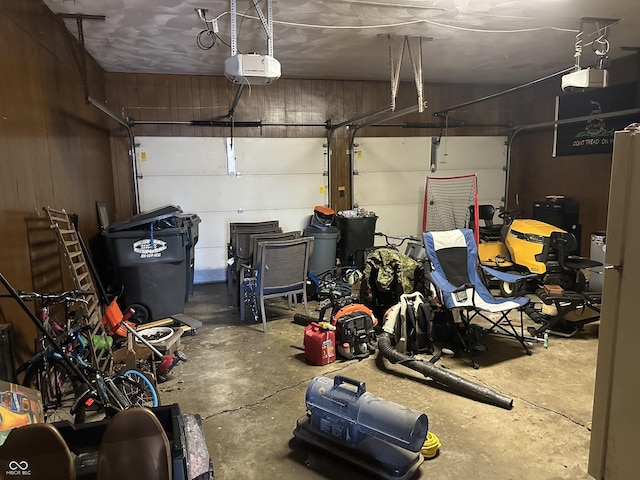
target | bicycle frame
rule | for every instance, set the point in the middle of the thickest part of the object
(52, 341)
(99, 387)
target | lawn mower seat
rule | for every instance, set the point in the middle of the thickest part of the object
(37, 451)
(134, 447)
(487, 229)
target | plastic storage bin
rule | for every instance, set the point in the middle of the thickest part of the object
(597, 253)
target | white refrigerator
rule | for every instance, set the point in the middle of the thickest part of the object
(614, 451)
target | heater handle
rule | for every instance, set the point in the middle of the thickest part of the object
(360, 385)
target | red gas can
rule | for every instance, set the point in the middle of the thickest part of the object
(319, 344)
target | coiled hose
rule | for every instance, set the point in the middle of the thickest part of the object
(442, 376)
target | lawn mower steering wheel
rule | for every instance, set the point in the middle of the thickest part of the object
(510, 215)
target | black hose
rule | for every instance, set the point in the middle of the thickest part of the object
(304, 320)
(535, 315)
(442, 376)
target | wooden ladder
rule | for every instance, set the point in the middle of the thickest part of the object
(71, 250)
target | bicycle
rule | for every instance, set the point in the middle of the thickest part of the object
(44, 372)
(398, 241)
(69, 386)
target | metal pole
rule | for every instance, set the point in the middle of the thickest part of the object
(122, 121)
(224, 123)
(391, 116)
(236, 99)
(363, 116)
(127, 124)
(504, 92)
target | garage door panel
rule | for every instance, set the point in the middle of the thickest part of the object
(208, 267)
(386, 187)
(248, 192)
(211, 232)
(393, 154)
(471, 153)
(176, 155)
(266, 155)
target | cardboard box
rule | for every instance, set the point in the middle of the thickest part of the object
(553, 289)
(18, 406)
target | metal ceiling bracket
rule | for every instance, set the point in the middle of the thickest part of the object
(81, 63)
(234, 28)
(416, 65)
(267, 25)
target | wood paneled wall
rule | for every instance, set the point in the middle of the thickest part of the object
(184, 98)
(54, 150)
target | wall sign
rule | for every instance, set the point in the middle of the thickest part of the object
(596, 135)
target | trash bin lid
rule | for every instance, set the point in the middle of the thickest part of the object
(188, 219)
(145, 218)
(313, 230)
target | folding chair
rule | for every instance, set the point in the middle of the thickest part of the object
(453, 256)
(280, 270)
(239, 233)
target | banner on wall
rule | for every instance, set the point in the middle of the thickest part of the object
(593, 135)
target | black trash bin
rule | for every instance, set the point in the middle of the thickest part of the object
(356, 236)
(190, 221)
(153, 257)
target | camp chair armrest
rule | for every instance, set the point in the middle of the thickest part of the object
(443, 284)
(506, 277)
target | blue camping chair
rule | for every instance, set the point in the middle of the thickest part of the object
(453, 256)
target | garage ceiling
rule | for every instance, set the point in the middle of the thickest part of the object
(473, 41)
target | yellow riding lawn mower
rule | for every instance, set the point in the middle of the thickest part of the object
(538, 249)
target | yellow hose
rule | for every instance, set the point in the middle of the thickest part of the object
(431, 446)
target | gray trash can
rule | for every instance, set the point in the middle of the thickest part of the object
(598, 250)
(325, 241)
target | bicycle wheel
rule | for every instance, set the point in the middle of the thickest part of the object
(137, 388)
(53, 379)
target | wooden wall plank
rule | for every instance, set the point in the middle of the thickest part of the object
(55, 147)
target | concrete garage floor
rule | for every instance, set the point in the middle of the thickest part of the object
(249, 388)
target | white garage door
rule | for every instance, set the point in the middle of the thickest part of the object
(390, 175)
(272, 179)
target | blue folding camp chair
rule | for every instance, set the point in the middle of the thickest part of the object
(454, 271)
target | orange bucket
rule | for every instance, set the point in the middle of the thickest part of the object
(113, 319)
